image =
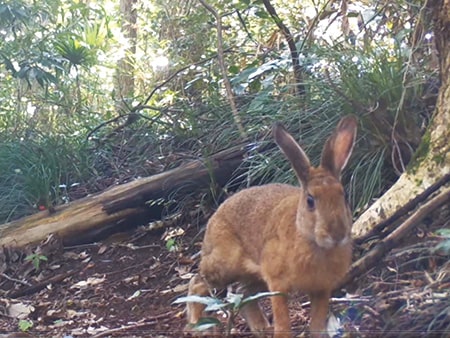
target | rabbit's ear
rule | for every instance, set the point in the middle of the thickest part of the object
(339, 146)
(293, 152)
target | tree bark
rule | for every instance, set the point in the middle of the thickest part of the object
(125, 66)
(75, 222)
(433, 161)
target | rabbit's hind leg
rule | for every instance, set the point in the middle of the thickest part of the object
(198, 287)
(252, 312)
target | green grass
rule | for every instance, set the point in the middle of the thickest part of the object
(37, 174)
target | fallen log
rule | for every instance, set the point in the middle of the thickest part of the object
(77, 221)
(377, 229)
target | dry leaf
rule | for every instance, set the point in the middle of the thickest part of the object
(91, 281)
(177, 289)
(102, 249)
(20, 310)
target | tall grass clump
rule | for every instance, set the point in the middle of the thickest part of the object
(38, 173)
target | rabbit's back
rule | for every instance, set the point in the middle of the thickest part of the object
(246, 214)
(235, 235)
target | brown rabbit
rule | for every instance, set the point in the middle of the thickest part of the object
(283, 238)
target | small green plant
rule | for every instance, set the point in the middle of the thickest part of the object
(170, 237)
(231, 306)
(171, 245)
(444, 245)
(36, 259)
(25, 325)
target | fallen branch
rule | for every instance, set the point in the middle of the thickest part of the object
(148, 322)
(4, 275)
(403, 210)
(35, 288)
(392, 240)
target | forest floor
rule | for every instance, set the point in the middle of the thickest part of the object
(125, 286)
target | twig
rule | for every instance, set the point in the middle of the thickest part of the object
(370, 259)
(103, 124)
(14, 279)
(404, 209)
(314, 23)
(298, 70)
(140, 247)
(242, 21)
(371, 310)
(35, 288)
(170, 78)
(220, 59)
(149, 322)
(335, 300)
(124, 328)
(80, 246)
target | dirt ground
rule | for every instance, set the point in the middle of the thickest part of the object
(125, 287)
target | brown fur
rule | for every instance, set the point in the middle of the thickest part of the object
(268, 237)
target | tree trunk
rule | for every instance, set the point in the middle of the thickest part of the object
(433, 161)
(80, 220)
(125, 66)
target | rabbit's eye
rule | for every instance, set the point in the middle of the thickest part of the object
(311, 202)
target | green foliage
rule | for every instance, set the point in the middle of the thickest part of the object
(25, 325)
(444, 246)
(73, 51)
(171, 244)
(36, 259)
(231, 306)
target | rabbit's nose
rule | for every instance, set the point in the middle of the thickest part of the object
(339, 233)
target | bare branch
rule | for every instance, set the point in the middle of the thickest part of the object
(298, 70)
(226, 81)
(132, 115)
